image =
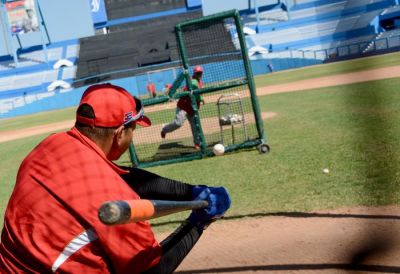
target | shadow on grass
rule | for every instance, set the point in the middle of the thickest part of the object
(298, 215)
(292, 267)
(368, 108)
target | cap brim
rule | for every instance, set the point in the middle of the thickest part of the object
(143, 121)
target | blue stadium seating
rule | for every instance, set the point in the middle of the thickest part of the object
(28, 82)
(305, 33)
(320, 23)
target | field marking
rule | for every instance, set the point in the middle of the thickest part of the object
(36, 130)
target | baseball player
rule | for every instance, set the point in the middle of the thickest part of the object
(151, 89)
(51, 223)
(185, 111)
(166, 89)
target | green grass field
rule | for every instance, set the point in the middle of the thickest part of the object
(353, 130)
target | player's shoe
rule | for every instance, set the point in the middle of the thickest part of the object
(163, 133)
(197, 147)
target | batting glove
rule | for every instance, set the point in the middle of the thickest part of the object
(196, 190)
(219, 202)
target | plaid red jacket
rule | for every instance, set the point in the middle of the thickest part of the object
(51, 222)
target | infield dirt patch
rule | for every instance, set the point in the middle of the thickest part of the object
(338, 241)
(333, 80)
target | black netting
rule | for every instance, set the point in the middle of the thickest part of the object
(227, 115)
(214, 44)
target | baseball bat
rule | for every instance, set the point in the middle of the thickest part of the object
(130, 211)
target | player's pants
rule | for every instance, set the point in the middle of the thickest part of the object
(180, 117)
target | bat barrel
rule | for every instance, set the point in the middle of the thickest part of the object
(115, 212)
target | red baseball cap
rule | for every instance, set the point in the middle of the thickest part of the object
(198, 69)
(113, 106)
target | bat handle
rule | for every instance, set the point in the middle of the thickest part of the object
(128, 211)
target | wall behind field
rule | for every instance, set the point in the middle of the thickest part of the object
(43, 100)
(213, 6)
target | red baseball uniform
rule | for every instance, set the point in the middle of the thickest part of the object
(151, 88)
(62, 183)
(185, 103)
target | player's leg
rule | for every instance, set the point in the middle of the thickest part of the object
(180, 118)
(195, 133)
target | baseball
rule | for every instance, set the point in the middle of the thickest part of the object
(218, 149)
(325, 170)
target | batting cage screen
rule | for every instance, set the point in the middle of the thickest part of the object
(224, 105)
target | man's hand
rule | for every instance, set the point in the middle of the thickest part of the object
(219, 202)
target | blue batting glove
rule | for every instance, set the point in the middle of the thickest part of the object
(196, 190)
(199, 217)
(218, 203)
(217, 197)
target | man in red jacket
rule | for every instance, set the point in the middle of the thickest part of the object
(51, 223)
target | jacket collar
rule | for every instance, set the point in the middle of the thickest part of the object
(75, 133)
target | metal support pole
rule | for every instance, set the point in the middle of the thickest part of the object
(249, 73)
(41, 24)
(288, 7)
(8, 35)
(257, 16)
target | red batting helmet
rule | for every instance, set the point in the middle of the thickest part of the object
(198, 69)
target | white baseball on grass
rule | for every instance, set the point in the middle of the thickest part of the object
(325, 170)
(218, 149)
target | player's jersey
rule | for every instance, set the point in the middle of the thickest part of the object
(51, 223)
(185, 103)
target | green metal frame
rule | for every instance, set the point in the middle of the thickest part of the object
(185, 76)
(250, 77)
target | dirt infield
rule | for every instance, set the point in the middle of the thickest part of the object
(339, 241)
(333, 80)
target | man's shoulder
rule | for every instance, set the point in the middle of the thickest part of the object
(55, 140)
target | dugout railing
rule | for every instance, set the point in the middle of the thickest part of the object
(216, 43)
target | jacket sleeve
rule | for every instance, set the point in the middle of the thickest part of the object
(179, 243)
(152, 186)
(175, 248)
